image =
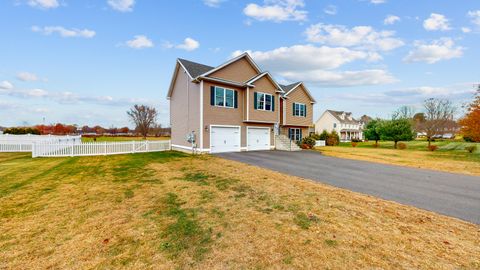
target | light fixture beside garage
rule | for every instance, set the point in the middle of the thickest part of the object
(206, 128)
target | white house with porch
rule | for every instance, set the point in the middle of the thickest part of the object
(343, 123)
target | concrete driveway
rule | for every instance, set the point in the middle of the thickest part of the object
(450, 194)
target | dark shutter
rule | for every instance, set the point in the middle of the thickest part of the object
(305, 110)
(273, 103)
(212, 95)
(290, 133)
(300, 134)
(293, 109)
(255, 100)
(235, 99)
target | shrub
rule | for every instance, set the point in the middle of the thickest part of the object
(324, 135)
(333, 139)
(308, 142)
(356, 140)
(471, 148)
(22, 130)
(354, 144)
(432, 148)
(402, 146)
(316, 136)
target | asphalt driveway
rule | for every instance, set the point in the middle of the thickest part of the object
(450, 194)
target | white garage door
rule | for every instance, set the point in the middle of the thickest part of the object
(258, 138)
(224, 139)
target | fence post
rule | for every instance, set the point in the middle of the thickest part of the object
(105, 148)
(71, 150)
(147, 146)
(133, 147)
(33, 150)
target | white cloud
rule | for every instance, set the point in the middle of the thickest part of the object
(391, 19)
(359, 36)
(475, 16)
(43, 4)
(122, 5)
(64, 32)
(437, 50)
(376, 2)
(6, 85)
(189, 44)
(277, 11)
(466, 30)
(27, 76)
(436, 22)
(315, 65)
(330, 10)
(342, 78)
(213, 3)
(140, 42)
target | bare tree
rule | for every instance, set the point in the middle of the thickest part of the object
(144, 117)
(438, 116)
(404, 112)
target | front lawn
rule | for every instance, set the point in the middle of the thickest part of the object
(169, 210)
(451, 156)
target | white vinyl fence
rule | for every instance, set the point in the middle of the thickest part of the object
(23, 143)
(97, 148)
(319, 143)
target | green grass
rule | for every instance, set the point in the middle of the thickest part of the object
(121, 139)
(449, 149)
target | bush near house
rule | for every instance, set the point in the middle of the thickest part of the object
(308, 142)
(21, 131)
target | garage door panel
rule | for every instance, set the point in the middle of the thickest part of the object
(258, 138)
(224, 139)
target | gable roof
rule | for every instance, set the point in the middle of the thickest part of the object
(194, 69)
(243, 55)
(337, 115)
(259, 76)
(291, 87)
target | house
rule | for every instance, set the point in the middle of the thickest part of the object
(234, 107)
(343, 123)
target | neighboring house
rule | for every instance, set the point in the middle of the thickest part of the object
(342, 122)
(235, 107)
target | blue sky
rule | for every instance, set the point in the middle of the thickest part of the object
(87, 62)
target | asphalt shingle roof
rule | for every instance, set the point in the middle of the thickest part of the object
(289, 87)
(195, 69)
(337, 114)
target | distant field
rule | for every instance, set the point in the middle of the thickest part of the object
(451, 156)
(121, 139)
(170, 210)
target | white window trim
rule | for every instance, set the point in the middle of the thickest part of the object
(294, 135)
(224, 98)
(265, 102)
(296, 103)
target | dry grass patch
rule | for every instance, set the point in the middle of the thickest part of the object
(441, 161)
(168, 210)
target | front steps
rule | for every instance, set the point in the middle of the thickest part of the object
(282, 142)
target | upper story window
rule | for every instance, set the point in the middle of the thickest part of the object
(299, 109)
(263, 101)
(334, 125)
(223, 97)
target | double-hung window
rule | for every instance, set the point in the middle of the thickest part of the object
(264, 102)
(299, 109)
(224, 97)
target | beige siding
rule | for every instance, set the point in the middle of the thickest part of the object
(263, 85)
(184, 108)
(225, 116)
(299, 95)
(239, 71)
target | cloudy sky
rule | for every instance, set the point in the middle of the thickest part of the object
(87, 61)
